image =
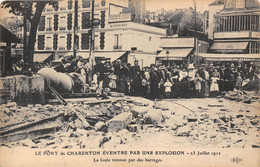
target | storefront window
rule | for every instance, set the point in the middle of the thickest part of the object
(237, 23)
(255, 47)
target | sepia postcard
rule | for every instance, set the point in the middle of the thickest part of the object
(130, 83)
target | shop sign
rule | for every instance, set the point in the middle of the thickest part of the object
(232, 59)
(118, 25)
(231, 34)
(230, 50)
(177, 42)
(120, 17)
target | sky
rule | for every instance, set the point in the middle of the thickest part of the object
(154, 5)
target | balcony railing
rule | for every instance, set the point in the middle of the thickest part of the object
(117, 46)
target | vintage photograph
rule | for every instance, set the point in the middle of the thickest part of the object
(130, 82)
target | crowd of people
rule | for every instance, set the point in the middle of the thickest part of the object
(176, 81)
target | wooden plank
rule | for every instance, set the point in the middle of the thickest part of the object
(80, 116)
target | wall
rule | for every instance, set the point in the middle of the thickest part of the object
(213, 9)
(146, 42)
(22, 89)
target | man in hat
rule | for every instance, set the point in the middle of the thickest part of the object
(251, 71)
(229, 78)
(239, 67)
(211, 69)
(175, 80)
(135, 79)
(222, 78)
(155, 80)
(245, 71)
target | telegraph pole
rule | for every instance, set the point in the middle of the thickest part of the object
(92, 33)
(75, 28)
(195, 15)
(25, 56)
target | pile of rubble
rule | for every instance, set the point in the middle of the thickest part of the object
(74, 120)
(120, 121)
(244, 96)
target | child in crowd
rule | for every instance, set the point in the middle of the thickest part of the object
(168, 86)
(214, 88)
(239, 81)
(197, 82)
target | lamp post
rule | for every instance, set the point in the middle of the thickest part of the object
(167, 54)
(75, 29)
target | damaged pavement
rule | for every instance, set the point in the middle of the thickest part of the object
(133, 121)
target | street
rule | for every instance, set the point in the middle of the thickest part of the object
(183, 123)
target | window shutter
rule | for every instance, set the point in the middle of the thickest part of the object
(41, 41)
(69, 41)
(86, 3)
(55, 41)
(69, 21)
(85, 22)
(85, 41)
(70, 4)
(56, 23)
(42, 24)
(102, 40)
(56, 6)
(103, 16)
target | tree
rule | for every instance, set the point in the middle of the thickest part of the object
(31, 11)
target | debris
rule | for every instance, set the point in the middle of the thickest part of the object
(215, 105)
(153, 116)
(11, 104)
(100, 126)
(132, 128)
(192, 119)
(139, 111)
(119, 122)
(79, 115)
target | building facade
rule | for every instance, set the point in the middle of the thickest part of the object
(115, 33)
(236, 32)
(179, 50)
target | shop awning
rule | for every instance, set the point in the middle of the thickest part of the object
(174, 54)
(112, 56)
(230, 57)
(229, 46)
(7, 36)
(41, 57)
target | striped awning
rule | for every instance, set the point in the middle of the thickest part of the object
(229, 46)
(174, 54)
